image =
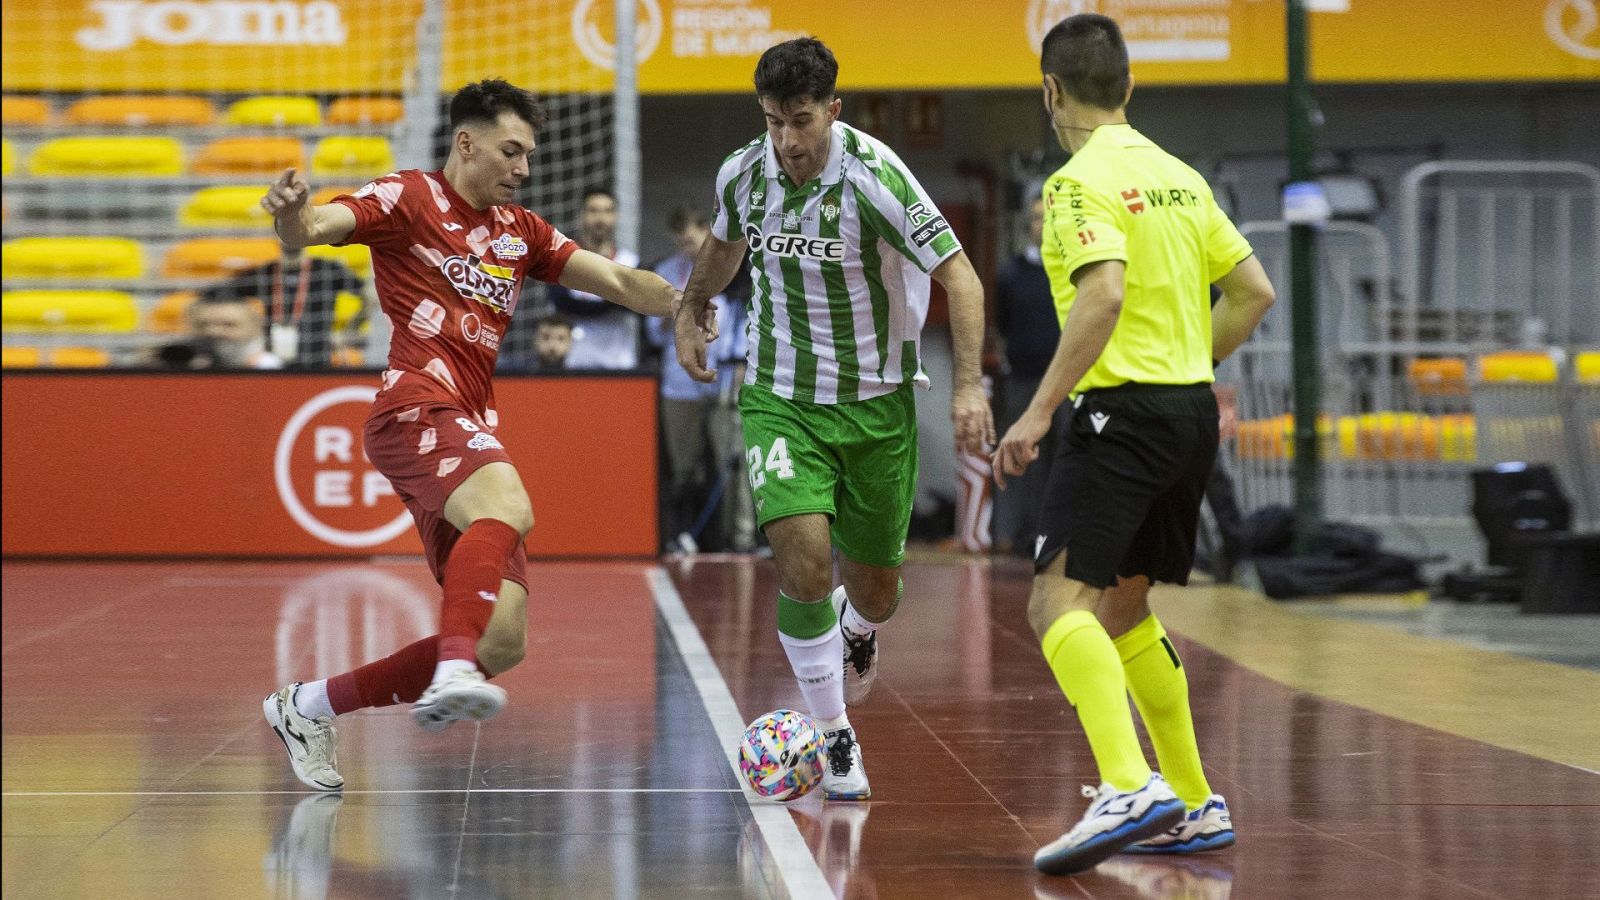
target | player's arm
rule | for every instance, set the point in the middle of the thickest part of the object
(1084, 337)
(714, 267)
(1246, 296)
(974, 421)
(640, 290)
(299, 223)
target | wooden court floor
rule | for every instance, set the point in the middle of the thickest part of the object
(1359, 762)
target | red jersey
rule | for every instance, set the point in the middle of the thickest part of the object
(448, 278)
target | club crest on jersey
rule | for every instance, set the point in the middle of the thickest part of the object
(830, 211)
(493, 286)
(509, 246)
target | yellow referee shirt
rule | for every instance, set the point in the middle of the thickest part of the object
(1122, 197)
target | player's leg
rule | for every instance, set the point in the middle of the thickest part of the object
(1100, 487)
(878, 446)
(793, 477)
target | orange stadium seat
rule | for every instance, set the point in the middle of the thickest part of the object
(352, 156)
(216, 257)
(73, 311)
(1439, 377)
(8, 158)
(249, 156)
(20, 357)
(119, 157)
(226, 206)
(365, 111)
(170, 314)
(275, 112)
(72, 257)
(21, 111)
(141, 111)
(79, 358)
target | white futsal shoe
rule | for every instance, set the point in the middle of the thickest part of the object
(464, 694)
(1207, 828)
(844, 777)
(1113, 821)
(860, 655)
(312, 743)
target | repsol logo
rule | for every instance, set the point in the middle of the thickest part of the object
(223, 23)
(798, 246)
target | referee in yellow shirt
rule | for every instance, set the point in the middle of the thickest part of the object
(1133, 240)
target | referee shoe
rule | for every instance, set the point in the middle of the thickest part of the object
(1113, 821)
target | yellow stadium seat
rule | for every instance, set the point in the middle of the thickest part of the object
(275, 112)
(326, 195)
(1518, 365)
(170, 314)
(365, 111)
(249, 156)
(80, 311)
(72, 257)
(356, 257)
(141, 111)
(79, 358)
(227, 206)
(345, 307)
(1587, 366)
(8, 158)
(21, 357)
(15, 110)
(217, 257)
(352, 156)
(108, 157)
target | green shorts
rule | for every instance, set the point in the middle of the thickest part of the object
(854, 462)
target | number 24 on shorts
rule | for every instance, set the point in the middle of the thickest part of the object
(777, 462)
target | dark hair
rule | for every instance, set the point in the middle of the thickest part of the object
(684, 216)
(555, 320)
(803, 67)
(1087, 55)
(596, 190)
(484, 101)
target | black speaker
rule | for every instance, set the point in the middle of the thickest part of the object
(1515, 500)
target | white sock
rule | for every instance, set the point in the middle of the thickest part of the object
(818, 669)
(852, 620)
(448, 667)
(829, 726)
(311, 700)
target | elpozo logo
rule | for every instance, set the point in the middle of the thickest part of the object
(324, 479)
(1574, 26)
(599, 49)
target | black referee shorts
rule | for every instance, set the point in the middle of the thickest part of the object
(1130, 472)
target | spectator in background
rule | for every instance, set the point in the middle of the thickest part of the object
(552, 342)
(299, 295)
(699, 422)
(605, 336)
(1025, 316)
(225, 332)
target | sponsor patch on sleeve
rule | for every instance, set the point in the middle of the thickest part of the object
(925, 234)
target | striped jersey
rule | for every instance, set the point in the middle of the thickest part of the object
(840, 268)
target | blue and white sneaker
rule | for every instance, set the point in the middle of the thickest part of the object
(1113, 821)
(1207, 828)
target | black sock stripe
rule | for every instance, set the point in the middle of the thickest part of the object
(1171, 651)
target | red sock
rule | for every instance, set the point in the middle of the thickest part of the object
(400, 677)
(471, 579)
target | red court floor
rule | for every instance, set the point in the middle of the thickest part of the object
(136, 763)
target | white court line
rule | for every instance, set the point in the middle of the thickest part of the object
(796, 866)
(475, 790)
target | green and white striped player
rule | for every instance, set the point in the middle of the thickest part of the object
(842, 242)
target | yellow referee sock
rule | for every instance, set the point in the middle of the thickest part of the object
(1161, 691)
(1084, 661)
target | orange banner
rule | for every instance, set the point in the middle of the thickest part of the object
(271, 465)
(350, 46)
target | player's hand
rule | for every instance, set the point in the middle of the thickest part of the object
(690, 338)
(709, 324)
(1020, 446)
(287, 194)
(974, 420)
(1227, 410)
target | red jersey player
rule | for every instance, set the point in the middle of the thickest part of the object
(449, 252)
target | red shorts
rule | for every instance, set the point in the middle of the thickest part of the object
(427, 445)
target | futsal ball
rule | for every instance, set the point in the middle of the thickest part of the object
(781, 754)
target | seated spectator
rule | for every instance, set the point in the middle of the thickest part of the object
(299, 294)
(552, 342)
(225, 333)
